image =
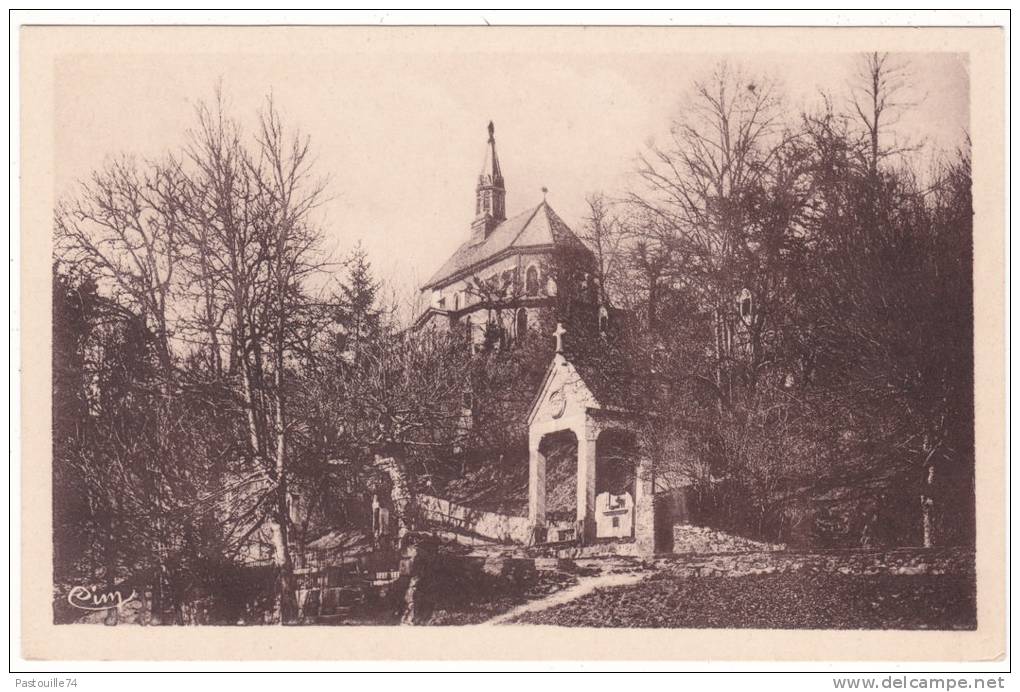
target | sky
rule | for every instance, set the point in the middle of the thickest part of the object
(401, 135)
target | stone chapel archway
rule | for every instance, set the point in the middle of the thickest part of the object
(566, 404)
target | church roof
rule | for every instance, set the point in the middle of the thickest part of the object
(536, 228)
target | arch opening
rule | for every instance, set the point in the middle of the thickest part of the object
(560, 452)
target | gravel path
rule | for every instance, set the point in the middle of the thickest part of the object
(585, 586)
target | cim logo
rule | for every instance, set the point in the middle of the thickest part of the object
(85, 598)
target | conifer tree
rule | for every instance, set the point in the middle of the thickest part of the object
(359, 314)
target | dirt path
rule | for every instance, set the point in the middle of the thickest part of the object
(584, 587)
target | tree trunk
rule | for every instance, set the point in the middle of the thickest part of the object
(412, 603)
(281, 537)
(404, 505)
(718, 329)
(416, 566)
(927, 508)
(248, 397)
(876, 75)
(280, 528)
(286, 604)
(653, 301)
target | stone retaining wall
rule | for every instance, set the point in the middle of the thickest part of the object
(688, 538)
(605, 549)
(499, 527)
(898, 561)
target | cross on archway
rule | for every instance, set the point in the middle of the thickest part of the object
(560, 331)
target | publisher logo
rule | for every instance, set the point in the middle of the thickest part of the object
(86, 598)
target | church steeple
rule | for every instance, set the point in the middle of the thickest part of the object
(490, 194)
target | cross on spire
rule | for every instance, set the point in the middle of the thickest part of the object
(560, 331)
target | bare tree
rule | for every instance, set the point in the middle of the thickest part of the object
(214, 248)
(604, 233)
(698, 204)
(252, 248)
(879, 95)
(119, 229)
(889, 274)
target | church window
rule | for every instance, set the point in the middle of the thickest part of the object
(522, 323)
(531, 281)
(456, 300)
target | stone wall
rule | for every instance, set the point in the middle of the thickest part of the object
(688, 538)
(503, 528)
(603, 549)
(898, 561)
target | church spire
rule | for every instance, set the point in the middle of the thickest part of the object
(490, 194)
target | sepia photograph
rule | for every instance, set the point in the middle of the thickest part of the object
(445, 328)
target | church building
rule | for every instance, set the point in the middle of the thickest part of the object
(507, 269)
(589, 481)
